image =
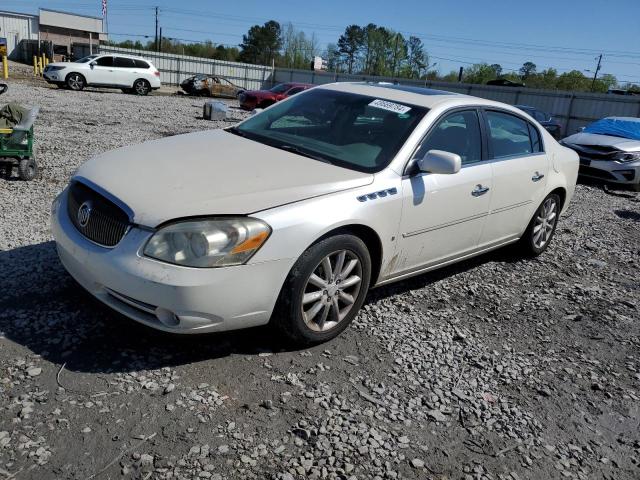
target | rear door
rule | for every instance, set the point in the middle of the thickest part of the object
(520, 169)
(125, 71)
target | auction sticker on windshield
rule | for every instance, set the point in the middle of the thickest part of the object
(390, 106)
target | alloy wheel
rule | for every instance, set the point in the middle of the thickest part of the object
(545, 222)
(331, 290)
(75, 82)
(141, 88)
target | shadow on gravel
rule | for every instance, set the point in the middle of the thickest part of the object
(45, 310)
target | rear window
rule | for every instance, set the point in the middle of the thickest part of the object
(141, 64)
(123, 62)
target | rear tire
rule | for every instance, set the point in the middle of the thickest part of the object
(537, 237)
(324, 290)
(75, 82)
(27, 168)
(141, 87)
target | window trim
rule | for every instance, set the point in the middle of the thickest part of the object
(514, 114)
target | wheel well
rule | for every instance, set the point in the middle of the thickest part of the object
(562, 193)
(370, 239)
(71, 73)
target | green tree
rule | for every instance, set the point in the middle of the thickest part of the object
(527, 69)
(417, 59)
(479, 73)
(350, 43)
(262, 43)
(497, 69)
(573, 81)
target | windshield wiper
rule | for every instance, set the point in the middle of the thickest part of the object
(294, 149)
(237, 131)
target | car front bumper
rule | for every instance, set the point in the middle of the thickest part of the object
(611, 170)
(54, 77)
(163, 296)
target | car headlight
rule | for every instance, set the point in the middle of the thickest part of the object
(625, 157)
(214, 242)
(53, 68)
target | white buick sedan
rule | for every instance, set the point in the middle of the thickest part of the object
(292, 215)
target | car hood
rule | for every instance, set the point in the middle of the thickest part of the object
(211, 173)
(594, 139)
(260, 93)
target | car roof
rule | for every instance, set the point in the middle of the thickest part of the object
(419, 96)
(123, 55)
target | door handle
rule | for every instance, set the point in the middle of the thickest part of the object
(479, 190)
(537, 177)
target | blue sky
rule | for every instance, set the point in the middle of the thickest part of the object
(564, 34)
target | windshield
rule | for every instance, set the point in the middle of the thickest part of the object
(280, 88)
(86, 59)
(353, 131)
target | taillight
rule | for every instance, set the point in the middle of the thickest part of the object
(156, 73)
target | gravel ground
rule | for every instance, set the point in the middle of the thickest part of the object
(497, 368)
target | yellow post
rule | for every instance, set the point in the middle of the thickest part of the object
(5, 67)
(42, 64)
(35, 66)
(39, 65)
(46, 61)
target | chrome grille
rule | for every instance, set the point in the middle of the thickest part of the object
(96, 217)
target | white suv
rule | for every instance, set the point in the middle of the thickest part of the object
(129, 73)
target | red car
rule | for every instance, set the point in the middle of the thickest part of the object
(263, 98)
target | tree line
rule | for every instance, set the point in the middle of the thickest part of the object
(369, 50)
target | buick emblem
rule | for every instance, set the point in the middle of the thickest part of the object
(84, 212)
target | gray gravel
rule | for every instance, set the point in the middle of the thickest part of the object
(497, 368)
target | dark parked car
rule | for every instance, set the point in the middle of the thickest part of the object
(503, 82)
(547, 121)
(263, 98)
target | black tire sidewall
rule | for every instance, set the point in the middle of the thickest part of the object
(288, 312)
(527, 239)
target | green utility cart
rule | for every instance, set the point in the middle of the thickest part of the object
(16, 145)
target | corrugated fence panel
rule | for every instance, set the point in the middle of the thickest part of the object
(575, 110)
(176, 68)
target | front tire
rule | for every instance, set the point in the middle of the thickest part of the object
(537, 237)
(141, 87)
(75, 82)
(324, 290)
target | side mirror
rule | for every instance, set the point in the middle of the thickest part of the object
(93, 64)
(581, 129)
(439, 161)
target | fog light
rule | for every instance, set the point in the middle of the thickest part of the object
(167, 317)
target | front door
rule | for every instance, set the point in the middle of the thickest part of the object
(520, 171)
(443, 215)
(102, 71)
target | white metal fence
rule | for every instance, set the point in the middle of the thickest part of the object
(175, 68)
(574, 109)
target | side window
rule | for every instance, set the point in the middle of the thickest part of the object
(456, 133)
(141, 64)
(122, 62)
(293, 91)
(508, 135)
(105, 61)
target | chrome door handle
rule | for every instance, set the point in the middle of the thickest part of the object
(479, 190)
(538, 176)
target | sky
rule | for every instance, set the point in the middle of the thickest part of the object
(563, 34)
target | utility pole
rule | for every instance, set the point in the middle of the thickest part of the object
(156, 29)
(595, 75)
(160, 42)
